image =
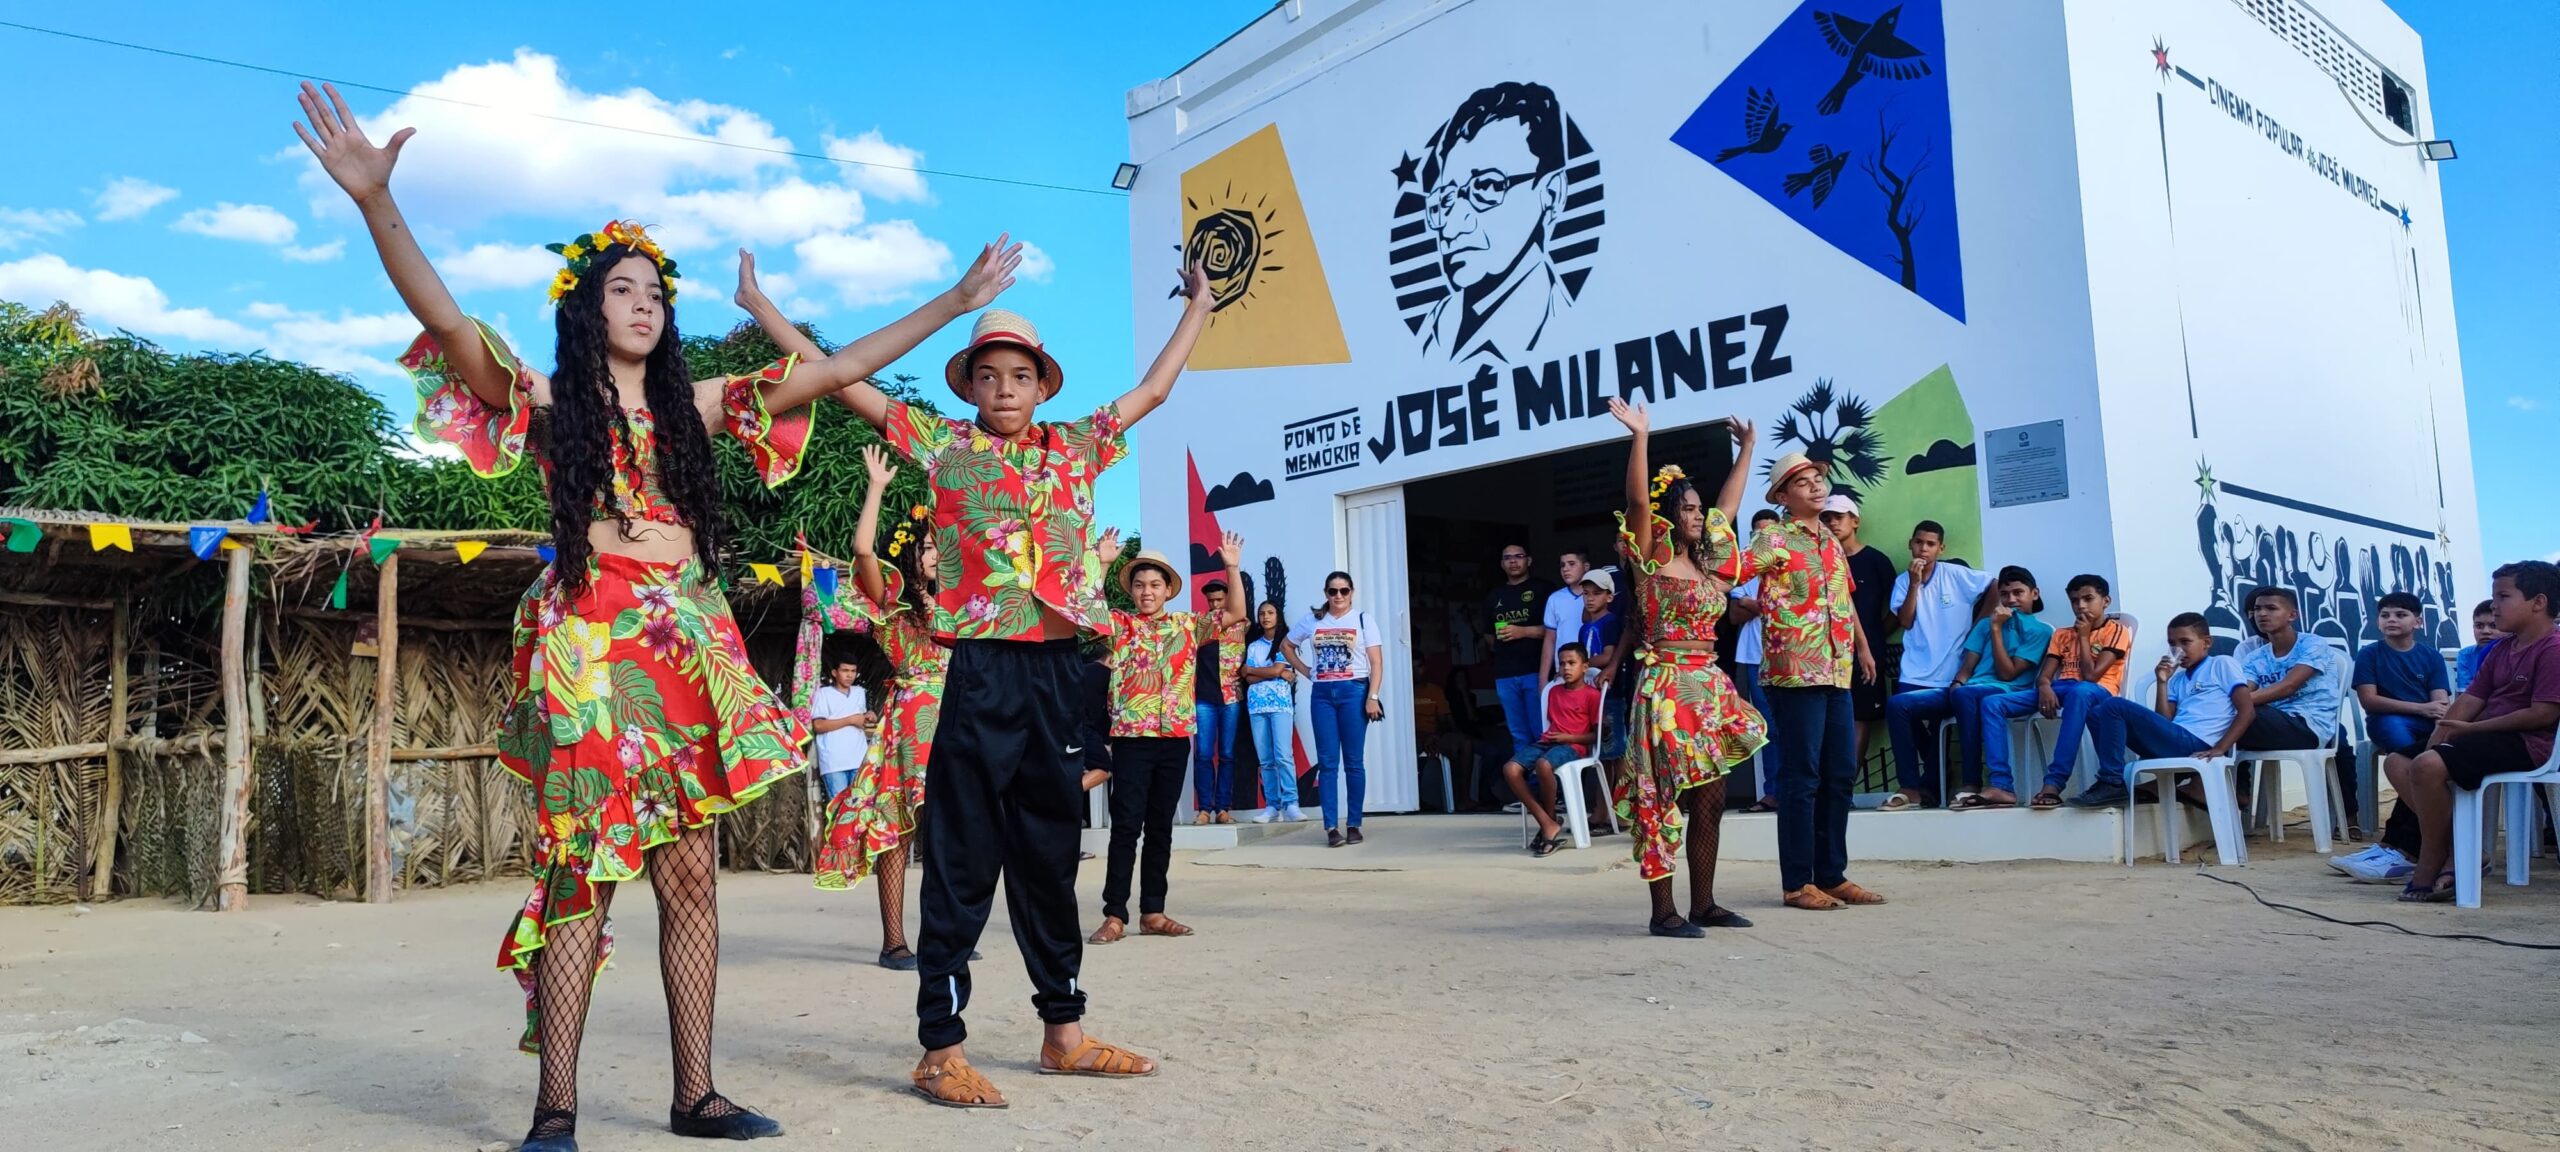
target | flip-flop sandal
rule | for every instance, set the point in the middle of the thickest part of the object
(2046, 801)
(1976, 802)
(1110, 1062)
(1547, 846)
(1764, 804)
(2441, 893)
(1164, 926)
(966, 1088)
(1903, 802)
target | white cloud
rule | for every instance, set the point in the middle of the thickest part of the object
(498, 266)
(255, 223)
(19, 225)
(879, 167)
(130, 196)
(471, 164)
(112, 299)
(875, 264)
(266, 310)
(2523, 403)
(1036, 267)
(316, 254)
(777, 214)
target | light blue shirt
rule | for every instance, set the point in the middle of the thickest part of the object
(2203, 696)
(2316, 704)
(2026, 638)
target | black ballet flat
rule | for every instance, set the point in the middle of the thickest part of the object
(1723, 918)
(564, 1140)
(1676, 928)
(739, 1125)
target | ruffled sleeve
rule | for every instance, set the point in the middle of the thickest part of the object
(774, 443)
(1724, 553)
(1651, 563)
(1103, 435)
(490, 438)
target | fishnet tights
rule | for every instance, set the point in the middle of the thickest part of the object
(683, 873)
(892, 866)
(1705, 808)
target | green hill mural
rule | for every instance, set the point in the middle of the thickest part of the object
(1929, 471)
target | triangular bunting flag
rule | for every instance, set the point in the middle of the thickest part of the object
(469, 550)
(767, 573)
(381, 547)
(338, 591)
(206, 539)
(260, 513)
(827, 581)
(23, 534)
(808, 565)
(230, 545)
(105, 536)
(547, 552)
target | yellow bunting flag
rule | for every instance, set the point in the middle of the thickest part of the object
(808, 567)
(105, 536)
(767, 573)
(469, 550)
(232, 545)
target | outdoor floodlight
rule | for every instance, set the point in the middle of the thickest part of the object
(2436, 149)
(1128, 173)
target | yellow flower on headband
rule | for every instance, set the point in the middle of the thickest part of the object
(582, 252)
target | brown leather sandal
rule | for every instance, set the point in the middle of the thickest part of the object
(1095, 1058)
(1162, 925)
(1848, 892)
(954, 1084)
(1810, 899)
(1112, 931)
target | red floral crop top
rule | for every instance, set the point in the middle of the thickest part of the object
(492, 440)
(1676, 609)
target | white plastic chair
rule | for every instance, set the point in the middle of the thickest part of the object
(2222, 805)
(1569, 780)
(2468, 830)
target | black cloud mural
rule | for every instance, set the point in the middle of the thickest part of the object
(1237, 493)
(1941, 455)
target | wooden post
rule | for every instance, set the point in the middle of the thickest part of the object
(377, 753)
(102, 881)
(231, 892)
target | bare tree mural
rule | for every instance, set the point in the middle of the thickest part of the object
(1902, 215)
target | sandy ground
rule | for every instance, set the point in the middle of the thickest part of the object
(1439, 991)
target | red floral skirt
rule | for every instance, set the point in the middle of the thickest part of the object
(1688, 725)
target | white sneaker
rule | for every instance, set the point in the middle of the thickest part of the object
(2386, 868)
(2345, 865)
(1266, 816)
(1292, 815)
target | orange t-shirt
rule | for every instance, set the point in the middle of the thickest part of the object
(2111, 636)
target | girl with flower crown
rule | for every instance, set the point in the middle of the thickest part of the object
(1689, 725)
(872, 823)
(636, 716)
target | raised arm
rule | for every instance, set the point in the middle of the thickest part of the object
(1198, 301)
(1231, 550)
(363, 171)
(866, 529)
(847, 374)
(1639, 475)
(1745, 436)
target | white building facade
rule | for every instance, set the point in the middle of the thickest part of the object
(2155, 291)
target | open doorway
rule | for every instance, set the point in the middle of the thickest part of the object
(1456, 526)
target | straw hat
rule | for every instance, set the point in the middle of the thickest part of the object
(997, 326)
(1785, 469)
(1150, 558)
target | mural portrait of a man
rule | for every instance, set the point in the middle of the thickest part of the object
(1494, 184)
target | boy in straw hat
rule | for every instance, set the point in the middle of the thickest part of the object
(1013, 521)
(1811, 646)
(1153, 679)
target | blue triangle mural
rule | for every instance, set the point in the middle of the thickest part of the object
(1839, 119)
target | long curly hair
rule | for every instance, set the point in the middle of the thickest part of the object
(919, 585)
(587, 420)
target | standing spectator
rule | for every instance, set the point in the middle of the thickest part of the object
(2502, 723)
(1349, 653)
(1743, 604)
(1934, 604)
(1270, 703)
(1517, 609)
(1562, 615)
(1871, 581)
(1220, 695)
(2484, 632)
(1814, 646)
(2083, 665)
(836, 714)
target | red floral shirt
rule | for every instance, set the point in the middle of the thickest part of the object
(1676, 609)
(1154, 671)
(1810, 639)
(1013, 519)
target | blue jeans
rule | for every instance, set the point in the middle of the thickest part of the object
(1521, 714)
(1911, 719)
(2076, 697)
(1817, 767)
(1213, 756)
(1967, 702)
(2396, 733)
(831, 783)
(1271, 739)
(2124, 731)
(1342, 748)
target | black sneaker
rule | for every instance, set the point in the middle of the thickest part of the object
(1333, 838)
(2103, 794)
(1353, 835)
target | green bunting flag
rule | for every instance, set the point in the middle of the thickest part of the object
(23, 534)
(381, 547)
(338, 594)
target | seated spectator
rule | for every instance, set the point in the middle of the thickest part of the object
(2502, 723)
(2484, 632)
(2082, 667)
(1573, 711)
(2200, 707)
(2404, 690)
(1602, 633)
(1935, 604)
(2296, 678)
(2001, 656)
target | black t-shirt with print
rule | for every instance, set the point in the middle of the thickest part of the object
(1521, 605)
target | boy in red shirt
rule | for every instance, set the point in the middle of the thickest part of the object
(1573, 722)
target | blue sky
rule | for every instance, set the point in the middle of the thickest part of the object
(170, 197)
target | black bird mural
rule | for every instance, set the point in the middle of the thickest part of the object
(1761, 129)
(1824, 173)
(1872, 49)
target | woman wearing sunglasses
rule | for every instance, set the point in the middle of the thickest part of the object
(1339, 651)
